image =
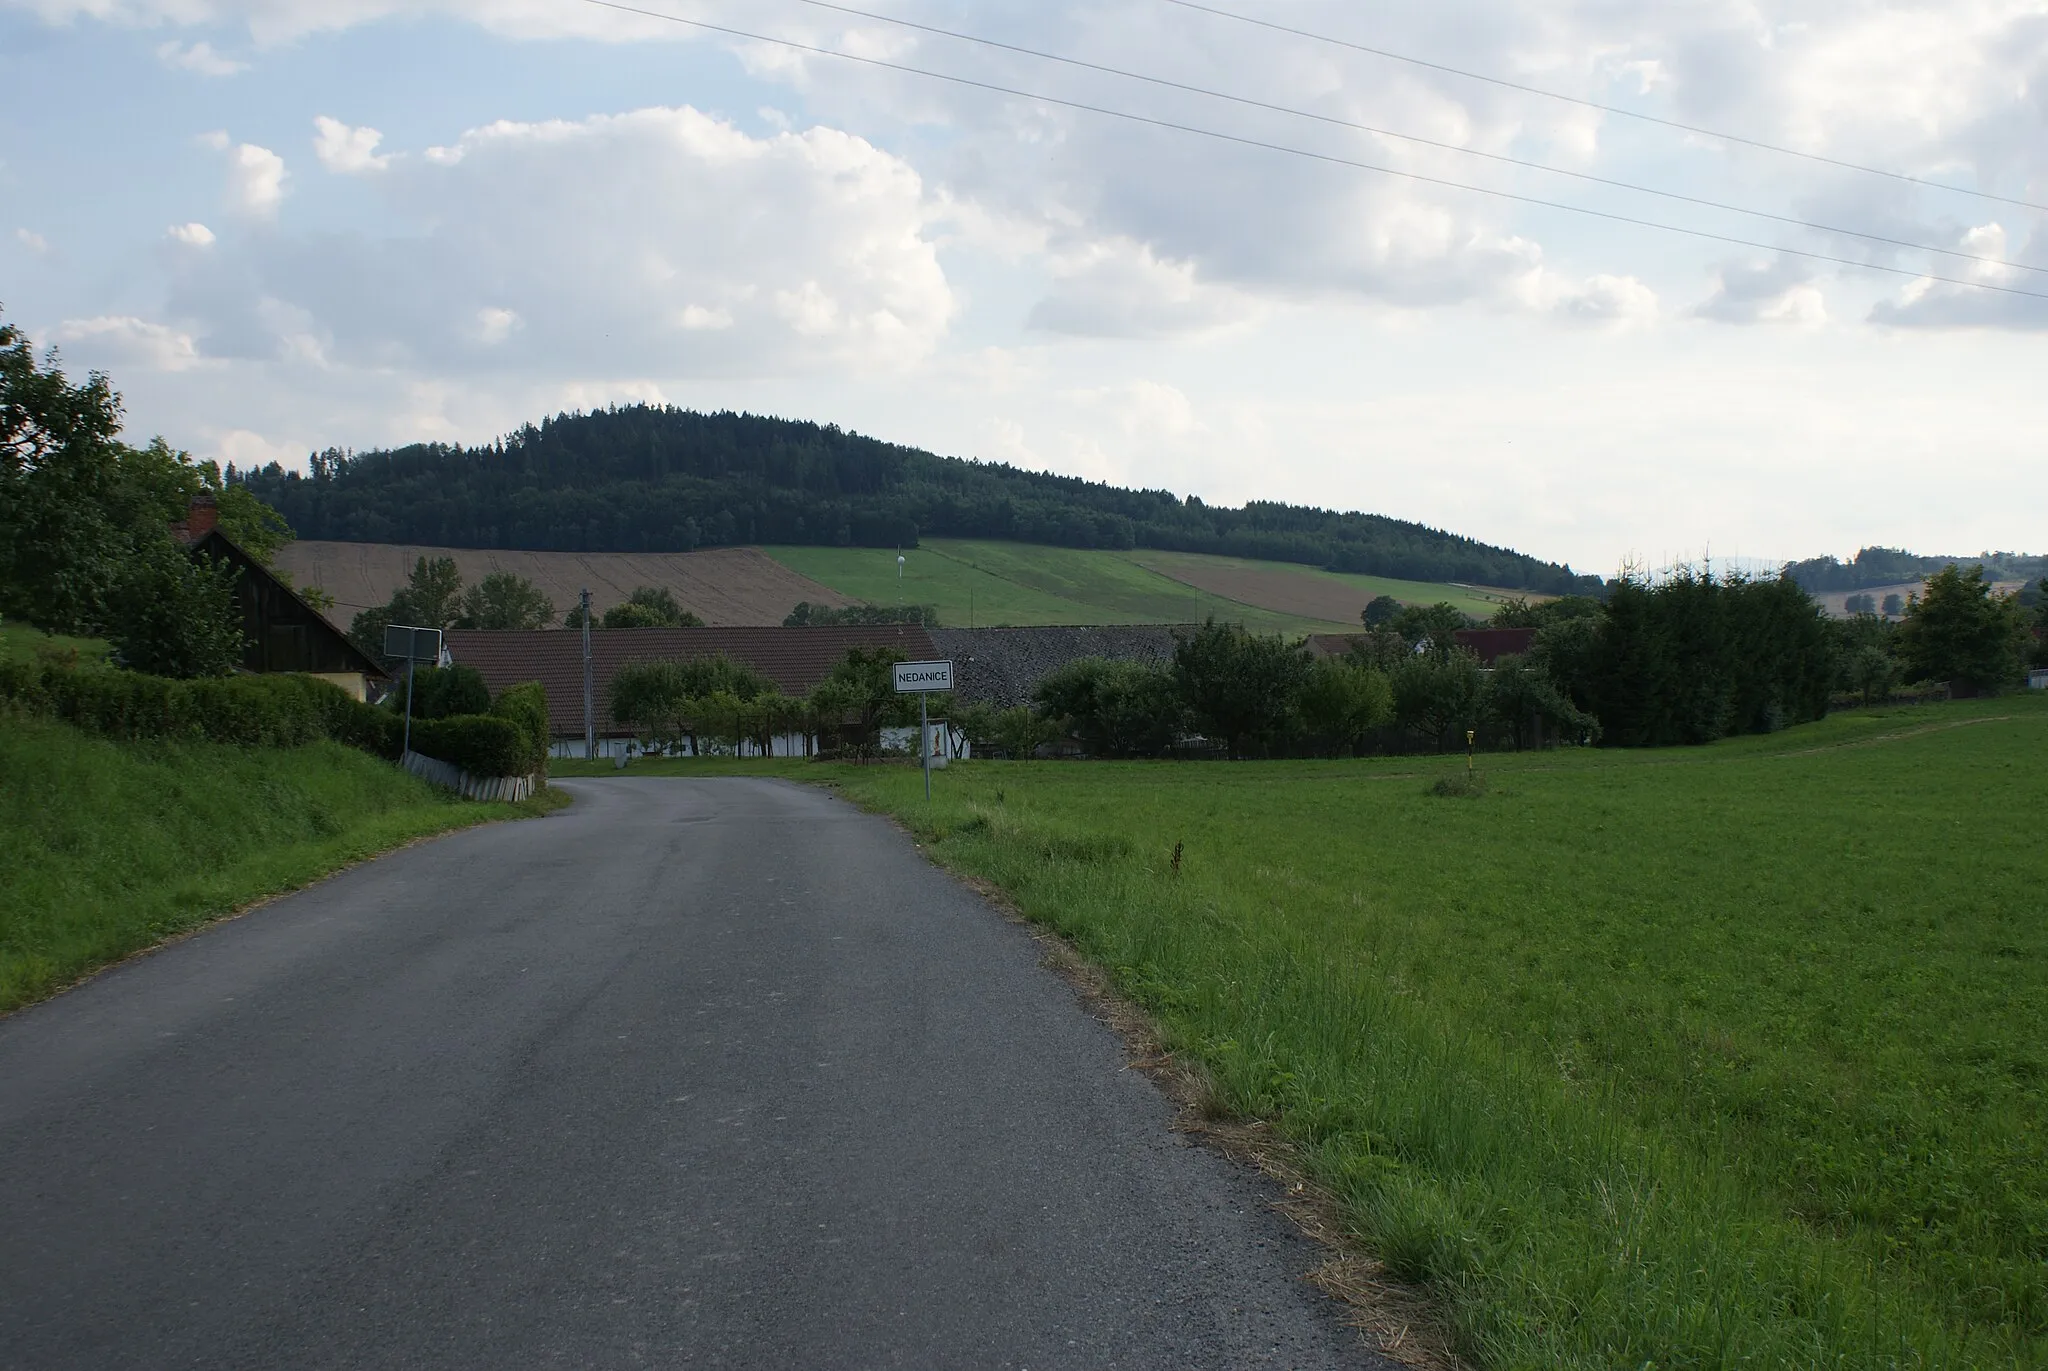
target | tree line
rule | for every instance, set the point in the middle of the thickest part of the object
(642, 478)
(1885, 566)
(1687, 660)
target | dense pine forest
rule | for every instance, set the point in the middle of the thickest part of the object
(647, 479)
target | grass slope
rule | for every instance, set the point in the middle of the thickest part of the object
(107, 848)
(1718, 1057)
(1024, 583)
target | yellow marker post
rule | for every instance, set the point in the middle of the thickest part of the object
(1470, 735)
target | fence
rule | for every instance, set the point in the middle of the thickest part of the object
(451, 777)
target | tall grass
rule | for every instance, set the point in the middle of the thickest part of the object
(1722, 1057)
(107, 847)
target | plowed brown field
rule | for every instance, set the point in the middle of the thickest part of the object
(735, 586)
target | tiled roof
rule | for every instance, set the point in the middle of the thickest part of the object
(1491, 644)
(796, 659)
(1002, 666)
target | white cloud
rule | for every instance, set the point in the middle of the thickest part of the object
(660, 238)
(34, 242)
(1778, 292)
(281, 21)
(1602, 299)
(698, 318)
(113, 340)
(494, 325)
(198, 57)
(193, 235)
(1118, 288)
(247, 449)
(255, 185)
(350, 151)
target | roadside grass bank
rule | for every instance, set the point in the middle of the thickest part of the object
(1713, 1057)
(109, 847)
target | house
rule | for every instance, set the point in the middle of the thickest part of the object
(795, 659)
(280, 631)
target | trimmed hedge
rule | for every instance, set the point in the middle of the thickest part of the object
(250, 711)
(279, 711)
(478, 743)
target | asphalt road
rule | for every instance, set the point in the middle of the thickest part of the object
(695, 1073)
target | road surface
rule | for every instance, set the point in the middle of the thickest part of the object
(695, 1073)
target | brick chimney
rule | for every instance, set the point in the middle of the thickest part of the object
(200, 517)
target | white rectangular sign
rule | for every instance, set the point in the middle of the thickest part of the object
(918, 678)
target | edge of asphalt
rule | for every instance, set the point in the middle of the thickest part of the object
(1401, 1321)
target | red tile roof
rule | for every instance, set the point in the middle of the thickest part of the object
(796, 659)
(1491, 644)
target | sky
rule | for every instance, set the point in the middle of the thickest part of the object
(282, 226)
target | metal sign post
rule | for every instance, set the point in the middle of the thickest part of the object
(416, 645)
(922, 679)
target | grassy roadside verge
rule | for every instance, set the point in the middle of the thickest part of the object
(107, 848)
(1711, 1057)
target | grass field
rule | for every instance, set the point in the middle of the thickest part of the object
(107, 848)
(994, 583)
(19, 642)
(1731, 1056)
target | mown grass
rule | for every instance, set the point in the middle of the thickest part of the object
(1731, 1056)
(998, 583)
(107, 848)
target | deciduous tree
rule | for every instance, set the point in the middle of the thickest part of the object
(1343, 699)
(1239, 686)
(504, 600)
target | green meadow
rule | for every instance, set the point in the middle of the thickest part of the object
(1717, 1057)
(991, 583)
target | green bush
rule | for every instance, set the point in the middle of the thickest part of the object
(526, 705)
(480, 744)
(441, 692)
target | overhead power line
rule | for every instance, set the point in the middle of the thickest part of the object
(1327, 158)
(1298, 113)
(1620, 110)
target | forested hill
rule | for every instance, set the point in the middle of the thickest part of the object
(645, 479)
